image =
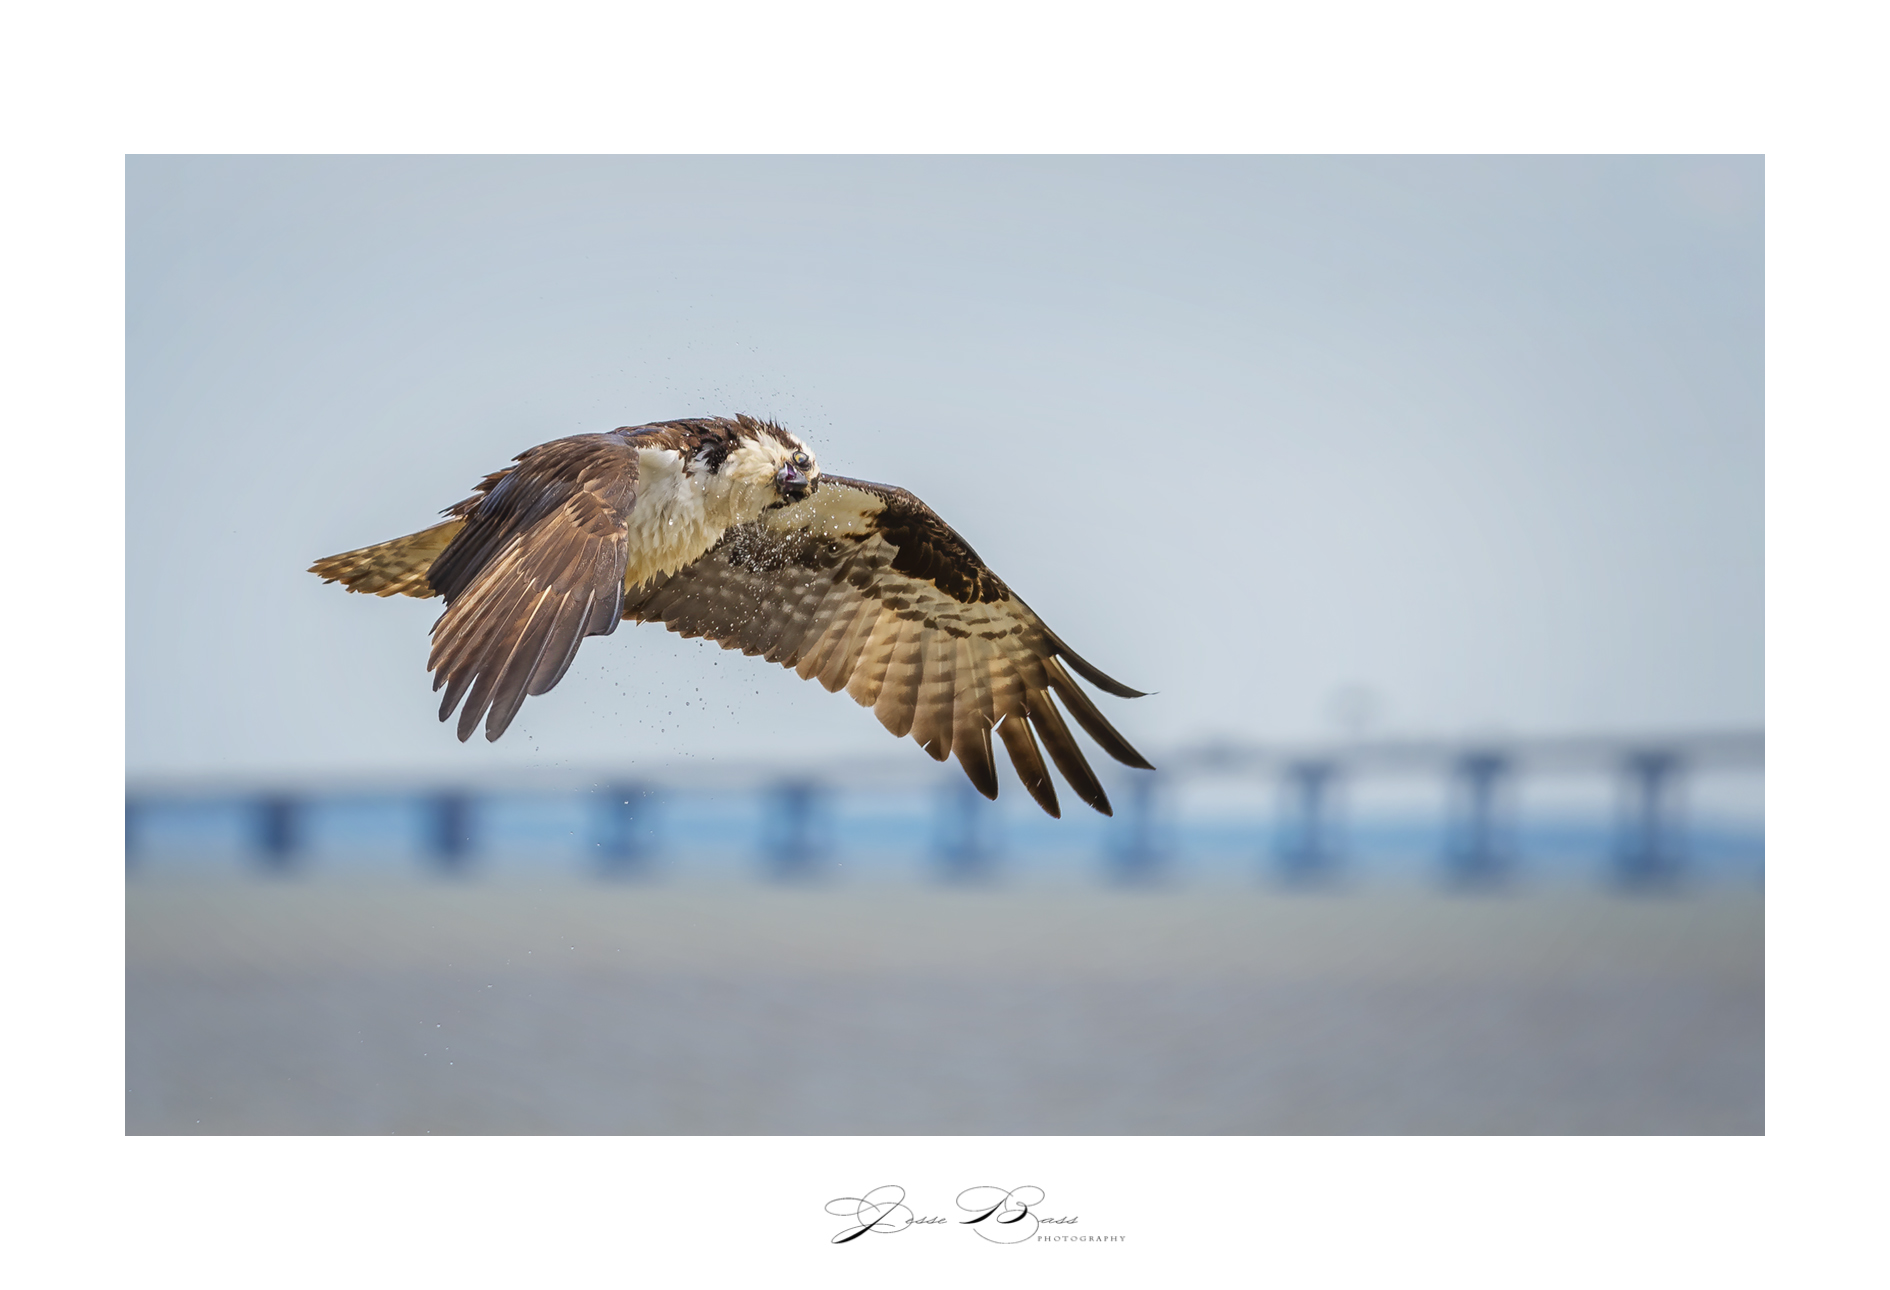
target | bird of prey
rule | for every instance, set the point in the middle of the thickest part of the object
(726, 528)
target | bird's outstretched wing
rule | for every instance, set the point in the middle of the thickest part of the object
(864, 586)
(537, 565)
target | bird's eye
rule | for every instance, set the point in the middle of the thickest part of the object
(801, 462)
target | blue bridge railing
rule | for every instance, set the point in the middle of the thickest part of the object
(794, 825)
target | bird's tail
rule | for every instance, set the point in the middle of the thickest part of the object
(391, 568)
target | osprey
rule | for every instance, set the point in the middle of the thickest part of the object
(728, 529)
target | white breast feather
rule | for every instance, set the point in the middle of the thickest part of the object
(681, 514)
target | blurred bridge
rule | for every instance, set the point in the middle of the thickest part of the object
(795, 832)
(1650, 772)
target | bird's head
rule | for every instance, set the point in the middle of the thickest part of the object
(766, 451)
(797, 476)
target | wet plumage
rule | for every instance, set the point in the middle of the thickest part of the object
(725, 529)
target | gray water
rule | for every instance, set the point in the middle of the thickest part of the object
(375, 1005)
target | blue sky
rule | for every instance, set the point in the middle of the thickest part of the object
(1484, 435)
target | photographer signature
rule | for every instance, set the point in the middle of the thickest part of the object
(1007, 1212)
(882, 1210)
(999, 1215)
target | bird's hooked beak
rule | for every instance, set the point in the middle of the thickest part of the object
(792, 484)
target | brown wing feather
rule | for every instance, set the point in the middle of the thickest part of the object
(864, 587)
(1021, 743)
(972, 720)
(898, 703)
(829, 660)
(537, 566)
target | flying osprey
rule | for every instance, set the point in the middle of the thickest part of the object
(727, 529)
